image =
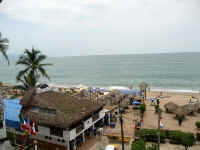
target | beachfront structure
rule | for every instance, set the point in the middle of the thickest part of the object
(62, 121)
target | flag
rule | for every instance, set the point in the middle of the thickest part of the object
(33, 127)
(28, 139)
(28, 122)
(22, 123)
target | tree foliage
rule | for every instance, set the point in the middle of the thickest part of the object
(33, 68)
(197, 124)
(142, 109)
(4, 46)
(141, 145)
(138, 145)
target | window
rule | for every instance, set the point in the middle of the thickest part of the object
(56, 131)
(36, 127)
(1, 124)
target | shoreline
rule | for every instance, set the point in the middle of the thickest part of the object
(116, 87)
(110, 88)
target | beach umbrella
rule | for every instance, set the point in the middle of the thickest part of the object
(189, 108)
(170, 107)
(180, 112)
(197, 107)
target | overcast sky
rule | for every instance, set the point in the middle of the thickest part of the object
(91, 27)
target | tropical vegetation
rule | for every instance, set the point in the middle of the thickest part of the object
(143, 88)
(197, 124)
(4, 46)
(141, 145)
(34, 68)
(142, 108)
(174, 136)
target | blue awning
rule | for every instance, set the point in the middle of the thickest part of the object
(11, 112)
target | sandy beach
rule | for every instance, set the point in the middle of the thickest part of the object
(150, 118)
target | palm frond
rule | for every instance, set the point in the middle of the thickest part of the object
(43, 72)
(40, 58)
(48, 64)
(22, 73)
(21, 87)
(31, 59)
(3, 47)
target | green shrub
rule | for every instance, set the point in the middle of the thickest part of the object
(180, 120)
(175, 137)
(152, 147)
(150, 135)
(138, 145)
(156, 107)
(188, 139)
(142, 108)
(179, 137)
(197, 124)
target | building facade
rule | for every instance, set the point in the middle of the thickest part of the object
(62, 122)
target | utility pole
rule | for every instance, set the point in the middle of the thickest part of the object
(158, 103)
(90, 92)
(121, 122)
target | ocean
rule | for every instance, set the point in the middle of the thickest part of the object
(166, 71)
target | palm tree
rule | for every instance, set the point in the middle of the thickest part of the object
(34, 68)
(4, 46)
(143, 88)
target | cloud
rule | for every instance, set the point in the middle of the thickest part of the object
(99, 25)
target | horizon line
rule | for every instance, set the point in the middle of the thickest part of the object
(157, 53)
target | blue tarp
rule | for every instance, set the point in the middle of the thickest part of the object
(136, 103)
(124, 91)
(91, 89)
(135, 91)
(11, 112)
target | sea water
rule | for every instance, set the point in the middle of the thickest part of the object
(175, 71)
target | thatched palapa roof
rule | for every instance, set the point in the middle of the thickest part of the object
(180, 112)
(58, 109)
(189, 108)
(170, 107)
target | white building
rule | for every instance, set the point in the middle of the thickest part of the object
(62, 121)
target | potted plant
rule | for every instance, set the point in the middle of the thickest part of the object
(198, 125)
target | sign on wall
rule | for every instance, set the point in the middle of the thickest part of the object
(88, 123)
(72, 134)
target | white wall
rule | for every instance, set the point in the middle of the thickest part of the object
(88, 123)
(66, 135)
